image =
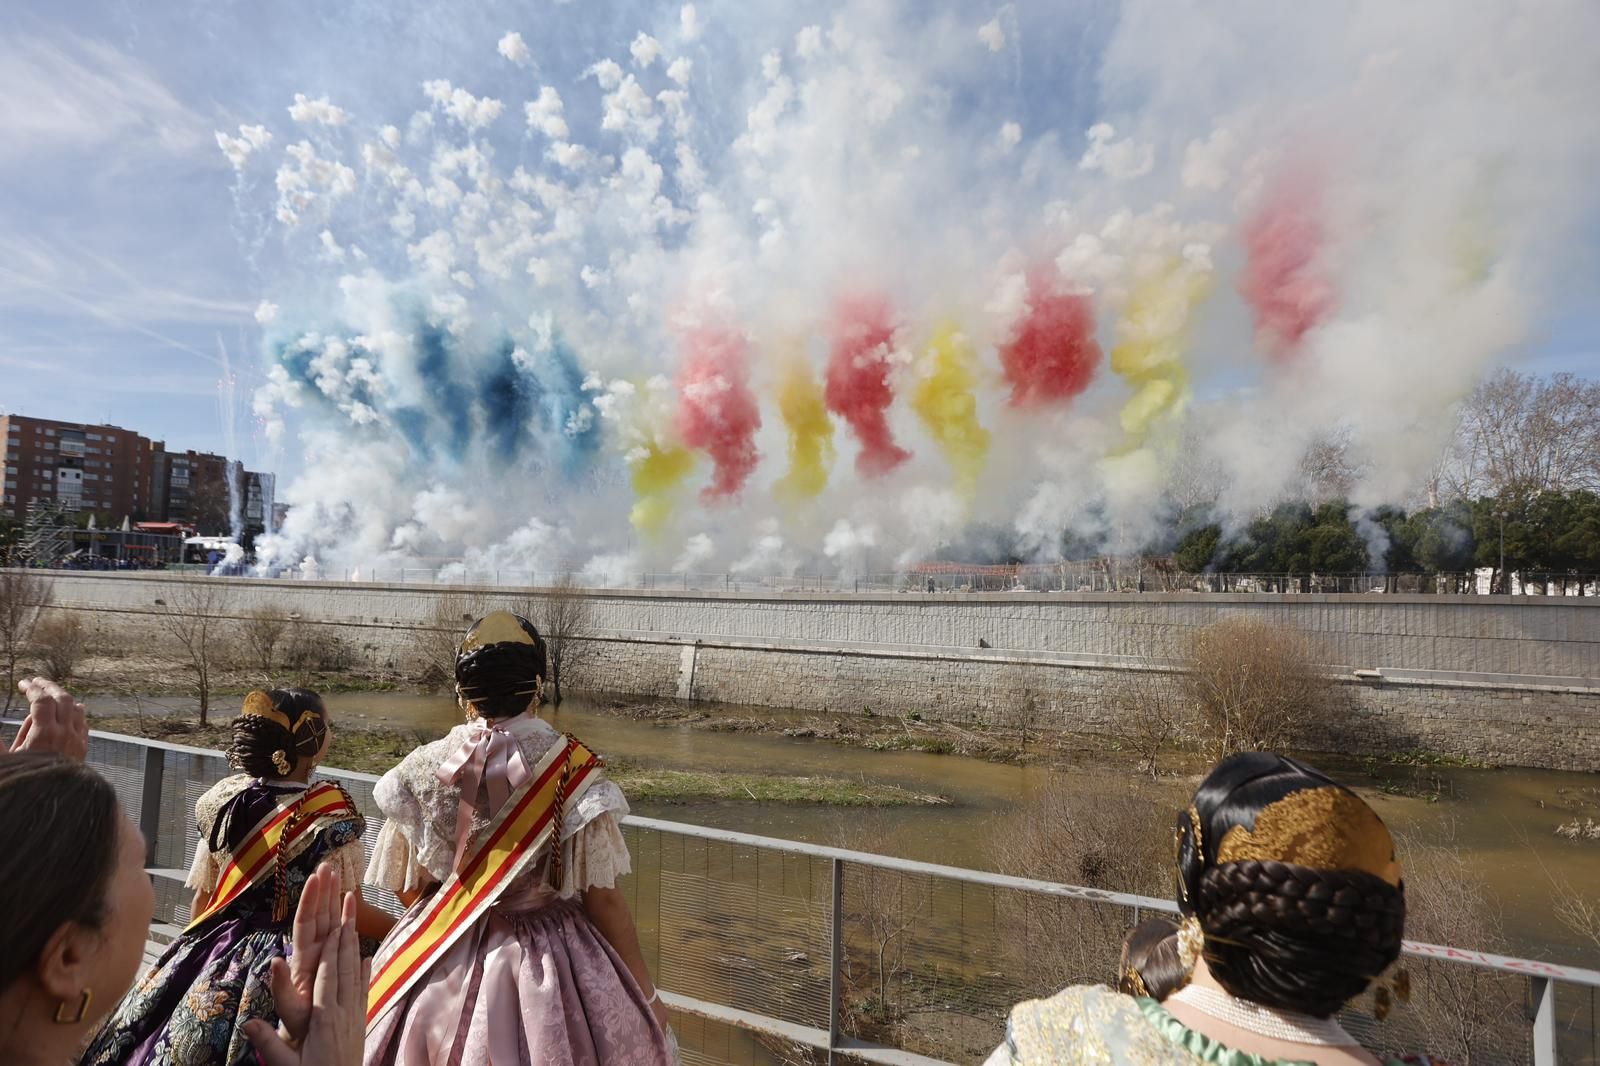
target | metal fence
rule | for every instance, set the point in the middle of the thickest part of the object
(776, 952)
(1062, 577)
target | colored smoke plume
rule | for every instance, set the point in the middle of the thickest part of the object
(658, 469)
(1151, 336)
(804, 408)
(858, 387)
(1051, 354)
(945, 402)
(717, 411)
(1283, 281)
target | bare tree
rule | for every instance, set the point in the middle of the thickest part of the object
(1253, 686)
(1149, 710)
(1328, 468)
(191, 618)
(434, 643)
(1521, 435)
(60, 642)
(22, 596)
(564, 616)
(1463, 1013)
(262, 633)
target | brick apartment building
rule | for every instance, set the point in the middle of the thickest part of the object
(120, 474)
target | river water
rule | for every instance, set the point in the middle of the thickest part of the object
(1503, 820)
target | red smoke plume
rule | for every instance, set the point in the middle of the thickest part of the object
(717, 411)
(1052, 354)
(1283, 282)
(857, 387)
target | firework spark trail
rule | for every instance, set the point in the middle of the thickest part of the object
(945, 402)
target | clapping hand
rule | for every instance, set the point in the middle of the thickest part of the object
(321, 994)
(55, 721)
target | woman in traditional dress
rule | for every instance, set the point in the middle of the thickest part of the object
(504, 840)
(263, 833)
(1151, 965)
(1293, 905)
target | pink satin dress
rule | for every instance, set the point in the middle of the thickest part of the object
(533, 981)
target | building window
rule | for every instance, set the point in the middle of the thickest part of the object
(92, 436)
(49, 432)
(10, 483)
(49, 445)
(11, 470)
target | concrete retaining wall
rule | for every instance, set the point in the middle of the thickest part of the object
(1512, 681)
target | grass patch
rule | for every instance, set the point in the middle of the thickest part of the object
(374, 751)
(1418, 757)
(683, 786)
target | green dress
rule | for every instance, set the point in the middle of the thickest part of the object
(1093, 1024)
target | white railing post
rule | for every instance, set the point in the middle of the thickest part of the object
(836, 960)
(1544, 1020)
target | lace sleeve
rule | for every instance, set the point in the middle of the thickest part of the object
(393, 865)
(204, 870)
(596, 856)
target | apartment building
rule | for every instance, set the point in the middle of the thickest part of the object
(84, 467)
(114, 471)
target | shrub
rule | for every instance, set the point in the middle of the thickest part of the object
(1252, 686)
(60, 643)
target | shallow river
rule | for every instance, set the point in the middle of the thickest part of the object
(1503, 820)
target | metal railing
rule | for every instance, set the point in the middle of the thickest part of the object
(1064, 577)
(773, 951)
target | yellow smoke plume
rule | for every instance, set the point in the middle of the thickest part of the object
(1150, 339)
(658, 469)
(805, 416)
(945, 402)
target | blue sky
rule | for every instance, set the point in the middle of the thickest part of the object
(129, 272)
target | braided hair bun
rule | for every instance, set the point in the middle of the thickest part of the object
(1293, 881)
(275, 730)
(500, 668)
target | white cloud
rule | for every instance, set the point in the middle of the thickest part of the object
(473, 112)
(689, 22)
(546, 114)
(514, 48)
(681, 70)
(1123, 160)
(73, 93)
(646, 50)
(630, 109)
(992, 35)
(306, 176)
(1205, 163)
(238, 149)
(331, 248)
(318, 112)
(266, 311)
(1010, 136)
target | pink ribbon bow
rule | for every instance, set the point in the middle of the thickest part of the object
(489, 758)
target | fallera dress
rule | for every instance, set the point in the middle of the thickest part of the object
(533, 980)
(190, 1008)
(1092, 1023)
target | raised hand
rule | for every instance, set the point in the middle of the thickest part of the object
(55, 721)
(334, 1025)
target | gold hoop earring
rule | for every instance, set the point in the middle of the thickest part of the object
(83, 1009)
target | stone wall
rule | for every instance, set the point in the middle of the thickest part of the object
(1510, 681)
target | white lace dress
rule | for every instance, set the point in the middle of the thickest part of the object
(533, 981)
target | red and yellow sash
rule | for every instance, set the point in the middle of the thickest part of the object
(257, 857)
(517, 839)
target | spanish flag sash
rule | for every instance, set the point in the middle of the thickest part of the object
(282, 829)
(516, 840)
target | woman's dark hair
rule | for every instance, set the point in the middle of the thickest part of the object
(275, 730)
(1150, 951)
(58, 851)
(1296, 937)
(500, 678)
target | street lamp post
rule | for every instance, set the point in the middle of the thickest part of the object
(1505, 584)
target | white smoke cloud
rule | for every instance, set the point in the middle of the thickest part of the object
(512, 47)
(318, 112)
(881, 150)
(239, 149)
